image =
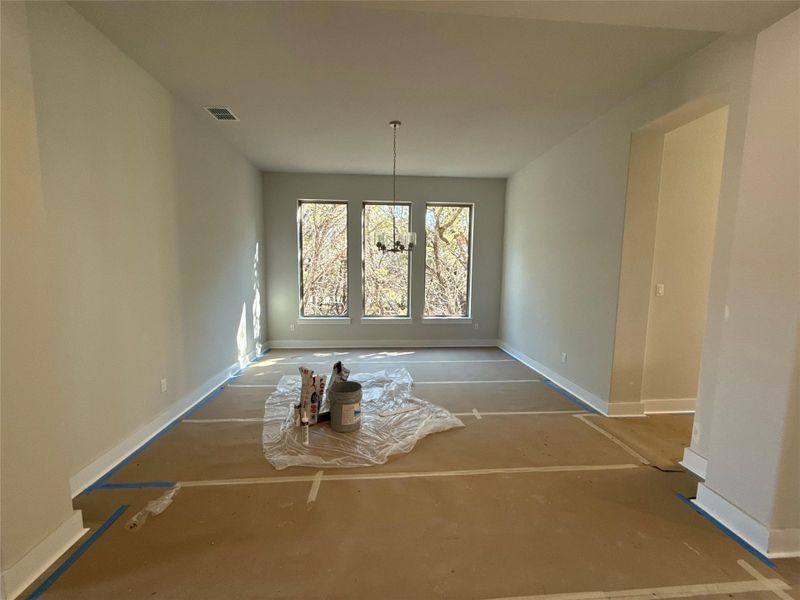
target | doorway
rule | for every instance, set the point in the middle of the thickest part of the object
(671, 213)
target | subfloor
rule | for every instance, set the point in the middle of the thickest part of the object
(533, 497)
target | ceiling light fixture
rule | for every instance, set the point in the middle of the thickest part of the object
(406, 240)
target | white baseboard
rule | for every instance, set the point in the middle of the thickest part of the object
(773, 543)
(25, 571)
(626, 409)
(573, 388)
(115, 455)
(694, 462)
(437, 343)
(669, 405)
(739, 522)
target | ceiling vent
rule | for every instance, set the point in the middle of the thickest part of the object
(221, 113)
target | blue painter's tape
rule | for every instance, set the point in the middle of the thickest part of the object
(110, 473)
(240, 372)
(204, 401)
(570, 397)
(727, 531)
(135, 485)
(79, 551)
(101, 482)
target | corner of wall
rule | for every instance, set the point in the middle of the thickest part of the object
(772, 543)
(694, 462)
(585, 396)
(26, 570)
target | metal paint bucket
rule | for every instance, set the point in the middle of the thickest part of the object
(345, 400)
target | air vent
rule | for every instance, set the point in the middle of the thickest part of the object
(221, 113)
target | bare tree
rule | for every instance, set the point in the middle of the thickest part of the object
(447, 248)
(323, 238)
(385, 274)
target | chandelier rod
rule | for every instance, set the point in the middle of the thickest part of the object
(395, 125)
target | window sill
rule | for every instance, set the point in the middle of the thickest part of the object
(323, 321)
(446, 320)
(388, 320)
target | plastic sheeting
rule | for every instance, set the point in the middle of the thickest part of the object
(154, 507)
(392, 421)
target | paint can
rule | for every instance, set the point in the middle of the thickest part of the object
(345, 399)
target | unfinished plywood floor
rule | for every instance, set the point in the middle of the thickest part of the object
(547, 500)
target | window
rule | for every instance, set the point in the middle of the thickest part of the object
(386, 274)
(448, 240)
(322, 235)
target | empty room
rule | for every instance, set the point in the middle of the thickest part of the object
(400, 299)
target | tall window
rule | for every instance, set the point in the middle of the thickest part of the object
(448, 244)
(386, 274)
(322, 234)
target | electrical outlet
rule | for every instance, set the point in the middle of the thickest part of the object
(563, 358)
(659, 289)
(163, 385)
(475, 326)
(291, 326)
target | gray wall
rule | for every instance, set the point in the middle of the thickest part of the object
(565, 215)
(148, 224)
(281, 193)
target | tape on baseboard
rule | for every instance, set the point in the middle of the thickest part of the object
(736, 538)
(77, 553)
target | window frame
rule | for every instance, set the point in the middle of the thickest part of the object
(382, 319)
(471, 249)
(326, 318)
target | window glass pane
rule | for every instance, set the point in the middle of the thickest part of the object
(385, 273)
(447, 262)
(323, 259)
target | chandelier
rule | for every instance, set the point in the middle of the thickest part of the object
(404, 242)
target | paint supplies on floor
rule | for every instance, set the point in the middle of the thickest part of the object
(345, 403)
(312, 392)
(391, 420)
(339, 373)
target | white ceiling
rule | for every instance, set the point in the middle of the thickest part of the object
(694, 15)
(482, 88)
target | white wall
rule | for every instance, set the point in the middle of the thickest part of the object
(691, 171)
(283, 190)
(565, 215)
(34, 495)
(148, 226)
(752, 482)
